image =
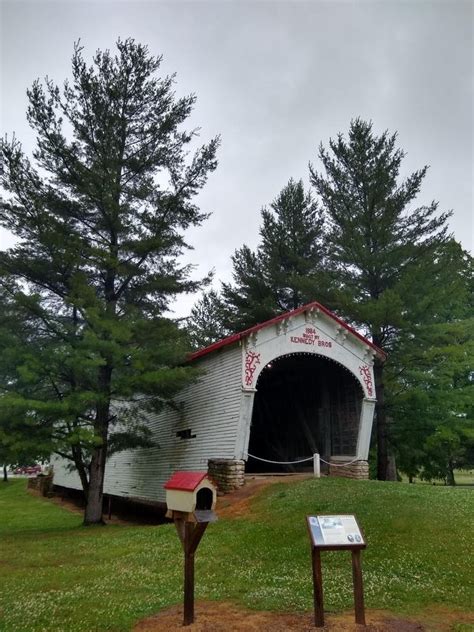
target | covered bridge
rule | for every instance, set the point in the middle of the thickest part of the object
(282, 390)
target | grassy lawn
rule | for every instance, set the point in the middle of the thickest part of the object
(57, 575)
(462, 477)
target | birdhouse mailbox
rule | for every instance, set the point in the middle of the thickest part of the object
(191, 499)
(191, 496)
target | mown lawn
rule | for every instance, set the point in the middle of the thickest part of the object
(464, 477)
(57, 575)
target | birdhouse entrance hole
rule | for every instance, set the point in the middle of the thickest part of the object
(204, 499)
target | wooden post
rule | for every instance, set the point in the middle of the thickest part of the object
(358, 588)
(179, 524)
(188, 575)
(318, 589)
(336, 533)
(110, 507)
(190, 535)
(316, 466)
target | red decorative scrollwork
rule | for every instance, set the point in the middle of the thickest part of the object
(367, 377)
(251, 361)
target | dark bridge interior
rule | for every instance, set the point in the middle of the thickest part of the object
(304, 404)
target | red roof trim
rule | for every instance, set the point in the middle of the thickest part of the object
(304, 308)
(185, 481)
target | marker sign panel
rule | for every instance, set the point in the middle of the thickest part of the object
(335, 531)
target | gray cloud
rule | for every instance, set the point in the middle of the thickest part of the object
(275, 79)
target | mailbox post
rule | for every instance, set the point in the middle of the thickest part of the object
(191, 499)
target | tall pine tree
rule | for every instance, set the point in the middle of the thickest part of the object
(378, 241)
(100, 212)
(430, 383)
(205, 323)
(287, 266)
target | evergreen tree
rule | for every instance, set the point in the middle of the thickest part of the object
(377, 243)
(434, 406)
(429, 377)
(23, 438)
(249, 300)
(205, 323)
(97, 265)
(285, 270)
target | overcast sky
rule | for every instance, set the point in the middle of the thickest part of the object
(275, 79)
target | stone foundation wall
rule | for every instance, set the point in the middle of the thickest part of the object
(228, 474)
(42, 483)
(357, 470)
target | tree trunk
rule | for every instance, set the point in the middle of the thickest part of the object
(94, 501)
(391, 468)
(95, 497)
(5, 474)
(382, 424)
(450, 480)
(81, 469)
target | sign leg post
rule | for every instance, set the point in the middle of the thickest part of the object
(188, 575)
(358, 588)
(318, 589)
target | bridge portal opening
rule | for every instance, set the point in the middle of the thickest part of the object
(304, 404)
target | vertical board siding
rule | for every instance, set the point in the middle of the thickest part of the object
(210, 408)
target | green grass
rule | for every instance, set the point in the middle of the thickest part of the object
(462, 477)
(57, 575)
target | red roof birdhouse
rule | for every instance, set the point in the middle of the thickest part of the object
(193, 494)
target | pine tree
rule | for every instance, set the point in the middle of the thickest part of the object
(23, 438)
(377, 243)
(286, 269)
(434, 406)
(429, 377)
(205, 323)
(101, 214)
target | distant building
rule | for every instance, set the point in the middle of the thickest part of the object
(297, 384)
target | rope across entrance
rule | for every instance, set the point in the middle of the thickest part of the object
(309, 458)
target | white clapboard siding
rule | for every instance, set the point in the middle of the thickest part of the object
(210, 407)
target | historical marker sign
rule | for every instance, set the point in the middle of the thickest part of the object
(335, 531)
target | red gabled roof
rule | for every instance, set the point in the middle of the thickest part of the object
(315, 305)
(185, 481)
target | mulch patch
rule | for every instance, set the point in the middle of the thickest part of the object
(227, 617)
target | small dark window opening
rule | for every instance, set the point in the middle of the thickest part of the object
(185, 434)
(204, 499)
